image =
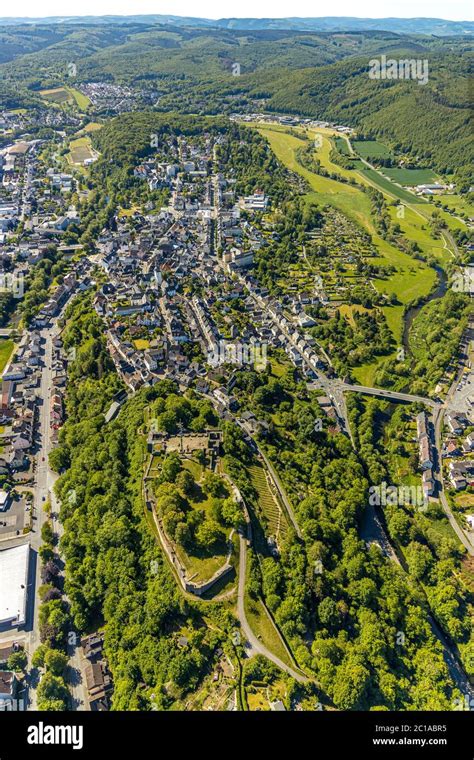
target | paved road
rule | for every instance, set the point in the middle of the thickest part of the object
(256, 646)
(438, 426)
(43, 490)
(389, 394)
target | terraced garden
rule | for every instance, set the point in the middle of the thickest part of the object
(276, 524)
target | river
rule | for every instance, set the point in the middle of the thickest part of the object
(413, 311)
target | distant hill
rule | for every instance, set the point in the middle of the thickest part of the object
(324, 74)
(431, 26)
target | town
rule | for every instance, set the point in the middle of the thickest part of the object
(220, 335)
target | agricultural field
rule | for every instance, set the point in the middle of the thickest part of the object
(411, 177)
(388, 187)
(371, 149)
(62, 95)
(58, 95)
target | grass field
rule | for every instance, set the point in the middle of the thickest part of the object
(263, 627)
(81, 100)
(411, 177)
(6, 348)
(93, 126)
(342, 146)
(459, 203)
(372, 148)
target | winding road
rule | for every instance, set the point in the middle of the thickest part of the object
(256, 646)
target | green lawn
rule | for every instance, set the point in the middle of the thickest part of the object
(200, 566)
(6, 348)
(81, 100)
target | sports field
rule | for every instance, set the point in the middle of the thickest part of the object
(80, 150)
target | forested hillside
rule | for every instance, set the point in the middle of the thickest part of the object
(401, 111)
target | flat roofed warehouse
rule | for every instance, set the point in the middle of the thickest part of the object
(13, 584)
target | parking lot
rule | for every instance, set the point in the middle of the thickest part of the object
(463, 397)
(14, 518)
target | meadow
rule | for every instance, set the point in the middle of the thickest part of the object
(372, 148)
(411, 177)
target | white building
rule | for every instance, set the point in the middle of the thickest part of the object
(4, 500)
(13, 584)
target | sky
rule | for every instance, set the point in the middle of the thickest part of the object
(460, 10)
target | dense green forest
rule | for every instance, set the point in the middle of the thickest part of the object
(350, 599)
(431, 552)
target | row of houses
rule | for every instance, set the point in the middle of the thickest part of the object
(425, 454)
(19, 404)
(97, 674)
(58, 298)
